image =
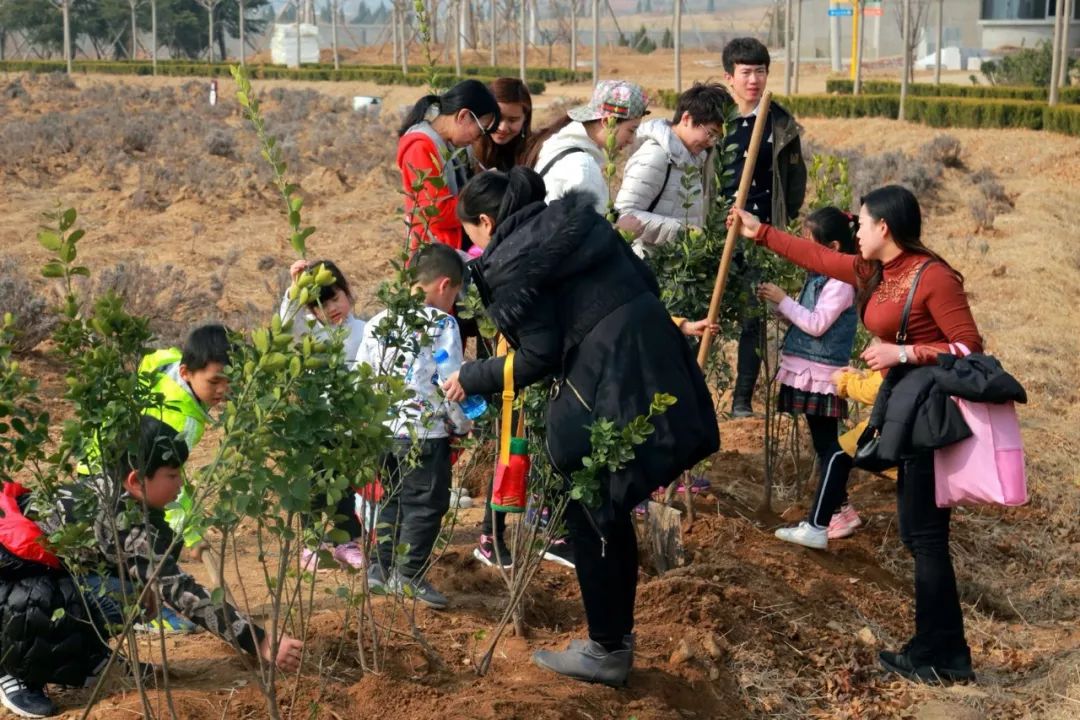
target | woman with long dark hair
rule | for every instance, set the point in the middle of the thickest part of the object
(891, 258)
(574, 301)
(504, 146)
(432, 142)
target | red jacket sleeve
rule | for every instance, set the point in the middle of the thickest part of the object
(947, 304)
(809, 254)
(417, 155)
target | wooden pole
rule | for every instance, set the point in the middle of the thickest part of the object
(677, 41)
(733, 231)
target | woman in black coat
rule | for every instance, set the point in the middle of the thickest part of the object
(575, 303)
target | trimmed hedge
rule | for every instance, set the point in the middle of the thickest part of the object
(932, 111)
(843, 86)
(380, 75)
(943, 112)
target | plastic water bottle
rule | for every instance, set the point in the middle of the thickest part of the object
(473, 406)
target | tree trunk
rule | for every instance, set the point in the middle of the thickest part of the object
(459, 20)
(906, 45)
(940, 39)
(134, 31)
(333, 32)
(153, 35)
(494, 32)
(1055, 66)
(595, 42)
(1070, 5)
(523, 40)
(798, 45)
(403, 24)
(210, 45)
(859, 56)
(677, 42)
(789, 66)
(243, 49)
(573, 35)
(65, 9)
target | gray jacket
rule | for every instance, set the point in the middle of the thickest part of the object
(652, 188)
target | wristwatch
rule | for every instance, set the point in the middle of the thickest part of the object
(903, 354)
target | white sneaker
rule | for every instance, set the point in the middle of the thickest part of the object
(806, 535)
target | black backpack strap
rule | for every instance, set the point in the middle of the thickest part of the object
(901, 334)
(557, 158)
(663, 186)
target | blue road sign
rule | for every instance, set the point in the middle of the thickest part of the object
(841, 12)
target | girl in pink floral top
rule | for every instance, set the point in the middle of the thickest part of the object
(818, 343)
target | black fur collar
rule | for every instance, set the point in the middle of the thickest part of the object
(537, 246)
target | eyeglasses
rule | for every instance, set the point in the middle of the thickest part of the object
(483, 130)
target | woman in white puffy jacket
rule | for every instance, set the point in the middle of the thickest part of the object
(569, 154)
(652, 190)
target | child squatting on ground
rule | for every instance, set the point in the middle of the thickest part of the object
(43, 645)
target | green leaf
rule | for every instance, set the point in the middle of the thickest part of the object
(66, 252)
(298, 244)
(58, 614)
(80, 270)
(76, 236)
(49, 240)
(295, 203)
(67, 219)
(52, 270)
(217, 596)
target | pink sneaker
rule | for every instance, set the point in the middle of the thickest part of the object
(844, 522)
(309, 559)
(350, 555)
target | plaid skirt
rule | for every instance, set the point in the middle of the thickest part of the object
(800, 402)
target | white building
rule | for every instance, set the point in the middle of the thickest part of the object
(969, 25)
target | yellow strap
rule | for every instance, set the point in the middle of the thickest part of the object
(506, 429)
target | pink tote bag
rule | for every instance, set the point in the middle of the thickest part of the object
(988, 467)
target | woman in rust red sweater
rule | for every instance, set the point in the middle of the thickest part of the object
(890, 254)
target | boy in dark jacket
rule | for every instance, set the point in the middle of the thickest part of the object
(777, 191)
(54, 615)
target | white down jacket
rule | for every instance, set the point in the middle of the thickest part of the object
(643, 186)
(579, 170)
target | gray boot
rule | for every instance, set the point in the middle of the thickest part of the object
(588, 661)
(627, 641)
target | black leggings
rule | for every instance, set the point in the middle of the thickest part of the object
(834, 466)
(607, 572)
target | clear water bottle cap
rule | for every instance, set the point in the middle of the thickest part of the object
(441, 356)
